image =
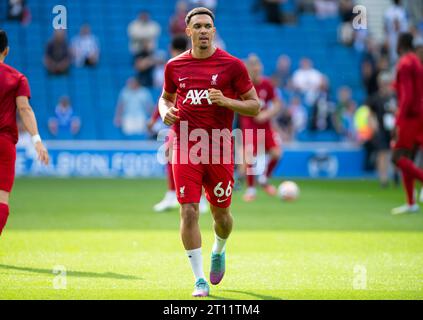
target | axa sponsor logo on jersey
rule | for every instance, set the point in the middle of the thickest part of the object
(195, 96)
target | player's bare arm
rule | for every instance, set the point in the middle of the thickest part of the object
(28, 118)
(267, 114)
(248, 106)
(168, 111)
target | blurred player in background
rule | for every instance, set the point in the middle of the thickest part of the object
(409, 120)
(418, 45)
(383, 106)
(14, 95)
(271, 105)
(200, 93)
(178, 46)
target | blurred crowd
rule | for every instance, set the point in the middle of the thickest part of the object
(310, 105)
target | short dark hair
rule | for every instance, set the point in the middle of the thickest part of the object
(4, 42)
(180, 43)
(405, 41)
(198, 10)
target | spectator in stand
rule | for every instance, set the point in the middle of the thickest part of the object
(346, 10)
(395, 22)
(145, 63)
(348, 130)
(64, 125)
(322, 109)
(343, 117)
(135, 104)
(85, 48)
(57, 57)
(143, 31)
(17, 10)
(368, 66)
(346, 33)
(326, 8)
(274, 13)
(343, 104)
(383, 107)
(282, 75)
(369, 74)
(365, 127)
(307, 80)
(177, 22)
(298, 115)
(178, 45)
(372, 64)
(285, 125)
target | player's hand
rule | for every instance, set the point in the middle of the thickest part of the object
(217, 97)
(42, 153)
(261, 118)
(171, 116)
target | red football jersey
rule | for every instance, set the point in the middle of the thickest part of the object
(266, 93)
(409, 87)
(190, 78)
(12, 84)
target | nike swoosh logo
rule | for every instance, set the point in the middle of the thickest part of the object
(182, 79)
(219, 200)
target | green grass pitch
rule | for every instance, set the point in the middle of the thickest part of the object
(338, 241)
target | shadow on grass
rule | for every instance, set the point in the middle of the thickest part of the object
(254, 295)
(82, 274)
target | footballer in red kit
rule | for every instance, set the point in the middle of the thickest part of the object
(200, 95)
(270, 106)
(409, 119)
(14, 96)
(179, 45)
(190, 78)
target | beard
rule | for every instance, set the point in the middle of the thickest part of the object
(204, 47)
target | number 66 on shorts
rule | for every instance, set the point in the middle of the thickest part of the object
(217, 180)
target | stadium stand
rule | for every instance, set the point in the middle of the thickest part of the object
(94, 91)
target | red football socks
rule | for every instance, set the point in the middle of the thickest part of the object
(409, 187)
(408, 166)
(250, 177)
(271, 166)
(4, 214)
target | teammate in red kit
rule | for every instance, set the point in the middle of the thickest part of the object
(200, 96)
(14, 95)
(270, 106)
(409, 121)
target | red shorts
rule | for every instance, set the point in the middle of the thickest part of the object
(217, 180)
(409, 134)
(270, 140)
(7, 164)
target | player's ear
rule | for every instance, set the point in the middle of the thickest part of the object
(6, 52)
(188, 31)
